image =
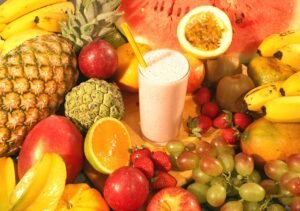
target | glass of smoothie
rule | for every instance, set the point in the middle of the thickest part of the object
(162, 91)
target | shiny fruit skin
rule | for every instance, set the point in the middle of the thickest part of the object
(98, 59)
(175, 199)
(126, 189)
(197, 73)
(54, 134)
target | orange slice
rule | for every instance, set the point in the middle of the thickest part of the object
(106, 145)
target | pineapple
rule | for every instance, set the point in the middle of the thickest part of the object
(35, 76)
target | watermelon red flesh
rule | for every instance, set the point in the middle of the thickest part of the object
(155, 21)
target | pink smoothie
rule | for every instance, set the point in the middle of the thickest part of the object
(162, 91)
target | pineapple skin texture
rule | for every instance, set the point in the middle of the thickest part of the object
(34, 79)
(92, 100)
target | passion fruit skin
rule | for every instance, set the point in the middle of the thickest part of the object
(218, 22)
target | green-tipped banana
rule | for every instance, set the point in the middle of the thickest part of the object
(283, 109)
(259, 96)
(291, 86)
(289, 55)
(272, 43)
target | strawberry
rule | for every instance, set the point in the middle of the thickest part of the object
(210, 109)
(163, 180)
(224, 120)
(241, 121)
(203, 95)
(199, 125)
(161, 161)
(139, 152)
(231, 135)
(145, 164)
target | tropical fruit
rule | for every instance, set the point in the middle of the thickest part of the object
(247, 17)
(107, 145)
(265, 140)
(92, 100)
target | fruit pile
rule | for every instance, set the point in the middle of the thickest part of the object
(65, 71)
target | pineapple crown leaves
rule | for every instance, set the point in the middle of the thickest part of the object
(92, 19)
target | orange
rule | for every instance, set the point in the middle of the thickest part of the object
(127, 72)
(107, 145)
(82, 197)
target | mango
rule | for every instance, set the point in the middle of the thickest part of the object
(265, 140)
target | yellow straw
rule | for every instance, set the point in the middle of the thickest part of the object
(133, 45)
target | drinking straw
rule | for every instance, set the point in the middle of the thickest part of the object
(133, 45)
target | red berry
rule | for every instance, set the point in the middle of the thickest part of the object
(163, 180)
(139, 152)
(224, 120)
(145, 164)
(203, 95)
(230, 135)
(199, 125)
(242, 121)
(210, 109)
(161, 161)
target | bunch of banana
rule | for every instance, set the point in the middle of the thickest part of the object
(278, 101)
(283, 46)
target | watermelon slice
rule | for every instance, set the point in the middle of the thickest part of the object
(155, 21)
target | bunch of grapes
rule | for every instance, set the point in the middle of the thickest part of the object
(224, 179)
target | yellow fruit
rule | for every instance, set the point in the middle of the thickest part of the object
(81, 197)
(7, 181)
(42, 185)
(51, 21)
(127, 72)
(205, 32)
(2, 26)
(106, 145)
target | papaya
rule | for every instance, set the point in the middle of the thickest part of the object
(265, 140)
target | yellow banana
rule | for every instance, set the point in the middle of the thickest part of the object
(29, 20)
(291, 86)
(259, 96)
(18, 39)
(272, 43)
(2, 26)
(283, 109)
(289, 54)
(51, 21)
(13, 9)
(1, 45)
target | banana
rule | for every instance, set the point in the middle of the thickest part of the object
(18, 39)
(289, 54)
(1, 45)
(51, 21)
(13, 9)
(291, 86)
(29, 20)
(283, 109)
(2, 26)
(273, 42)
(259, 96)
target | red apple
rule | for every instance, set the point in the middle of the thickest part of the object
(197, 73)
(98, 59)
(126, 189)
(53, 134)
(175, 198)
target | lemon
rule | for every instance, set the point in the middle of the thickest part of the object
(205, 32)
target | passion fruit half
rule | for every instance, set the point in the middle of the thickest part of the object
(205, 32)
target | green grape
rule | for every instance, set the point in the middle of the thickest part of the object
(286, 177)
(254, 177)
(218, 141)
(232, 206)
(219, 180)
(204, 148)
(251, 191)
(270, 186)
(244, 164)
(216, 195)
(295, 204)
(275, 207)
(293, 186)
(199, 190)
(211, 166)
(225, 149)
(286, 197)
(187, 161)
(251, 206)
(293, 163)
(199, 176)
(237, 182)
(227, 162)
(190, 147)
(275, 169)
(175, 147)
